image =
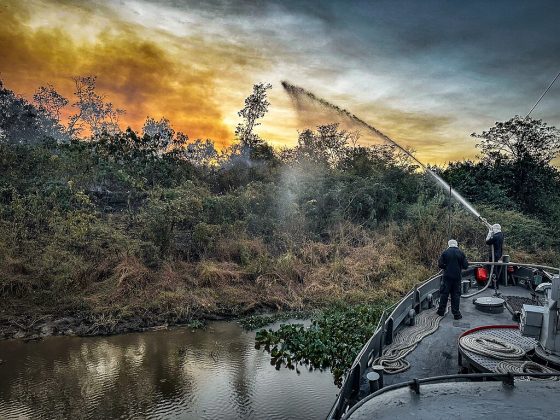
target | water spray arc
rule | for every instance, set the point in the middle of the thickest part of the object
(295, 91)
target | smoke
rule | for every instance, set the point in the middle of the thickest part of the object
(299, 96)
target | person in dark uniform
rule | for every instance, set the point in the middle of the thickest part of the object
(496, 237)
(451, 261)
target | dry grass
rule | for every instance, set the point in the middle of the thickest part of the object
(218, 273)
(238, 249)
(132, 276)
(14, 281)
(356, 266)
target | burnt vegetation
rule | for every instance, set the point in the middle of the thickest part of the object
(124, 228)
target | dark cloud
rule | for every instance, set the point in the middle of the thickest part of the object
(428, 72)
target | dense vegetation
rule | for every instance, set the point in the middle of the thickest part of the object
(127, 229)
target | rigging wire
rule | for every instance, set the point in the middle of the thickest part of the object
(544, 93)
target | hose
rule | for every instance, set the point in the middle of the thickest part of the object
(491, 346)
(487, 283)
(520, 366)
(405, 341)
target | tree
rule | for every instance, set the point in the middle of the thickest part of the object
(50, 101)
(159, 134)
(520, 139)
(256, 106)
(23, 123)
(517, 154)
(93, 112)
(326, 145)
(201, 153)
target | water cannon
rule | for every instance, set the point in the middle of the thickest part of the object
(483, 220)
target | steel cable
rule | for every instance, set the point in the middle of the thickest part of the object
(393, 358)
(520, 366)
(491, 346)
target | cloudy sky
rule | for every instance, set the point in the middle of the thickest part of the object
(428, 73)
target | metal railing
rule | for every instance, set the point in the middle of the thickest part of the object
(514, 264)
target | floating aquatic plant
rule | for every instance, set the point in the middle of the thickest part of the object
(332, 341)
(254, 322)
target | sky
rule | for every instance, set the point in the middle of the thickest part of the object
(427, 73)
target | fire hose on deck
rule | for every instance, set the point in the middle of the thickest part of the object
(487, 283)
(491, 268)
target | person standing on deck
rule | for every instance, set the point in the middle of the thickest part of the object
(451, 261)
(496, 237)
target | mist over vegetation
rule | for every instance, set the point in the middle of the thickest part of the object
(123, 229)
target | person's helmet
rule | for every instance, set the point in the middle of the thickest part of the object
(452, 243)
(496, 228)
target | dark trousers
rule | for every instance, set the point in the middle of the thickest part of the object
(450, 287)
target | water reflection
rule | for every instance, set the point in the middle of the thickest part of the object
(212, 373)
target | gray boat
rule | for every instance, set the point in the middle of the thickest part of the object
(501, 360)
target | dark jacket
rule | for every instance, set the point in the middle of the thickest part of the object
(452, 261)
(497, 239)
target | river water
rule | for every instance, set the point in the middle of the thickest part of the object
(215, 373)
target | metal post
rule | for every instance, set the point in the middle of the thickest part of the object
(379, 370)
(373, 380)
(505, 259)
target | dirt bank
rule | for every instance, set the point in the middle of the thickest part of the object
(29, 328)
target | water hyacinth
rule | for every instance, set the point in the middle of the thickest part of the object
(332, 341)
(254, 322)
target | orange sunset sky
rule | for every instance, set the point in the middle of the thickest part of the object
(425, 73)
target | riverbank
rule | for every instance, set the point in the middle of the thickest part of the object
(121, 296)
(81, 325)
(36, 325)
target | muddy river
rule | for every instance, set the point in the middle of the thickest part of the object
(215, 373)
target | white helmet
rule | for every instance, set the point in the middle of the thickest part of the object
(496, 228)
(452, 243)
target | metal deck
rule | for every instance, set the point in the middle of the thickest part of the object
(437, 354)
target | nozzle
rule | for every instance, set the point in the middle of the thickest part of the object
(483, 220)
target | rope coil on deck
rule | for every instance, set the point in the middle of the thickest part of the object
(520, 366)
(491, 346)
(406, 340)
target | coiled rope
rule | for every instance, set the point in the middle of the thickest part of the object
(520, 366)
(491, 346)
(405, 341)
